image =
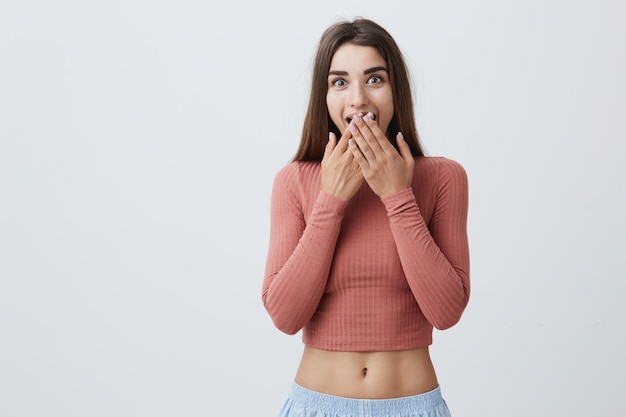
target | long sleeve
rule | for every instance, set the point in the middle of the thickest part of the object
(435, 257)
(300, 251)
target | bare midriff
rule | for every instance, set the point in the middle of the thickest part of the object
(373, 375)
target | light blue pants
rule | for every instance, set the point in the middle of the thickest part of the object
(306, 403)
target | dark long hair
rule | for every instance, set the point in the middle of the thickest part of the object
(317, 122)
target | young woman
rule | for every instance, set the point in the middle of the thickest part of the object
(368, 244)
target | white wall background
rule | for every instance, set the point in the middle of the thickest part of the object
(138, 144)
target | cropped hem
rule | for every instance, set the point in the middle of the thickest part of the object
(391, 346)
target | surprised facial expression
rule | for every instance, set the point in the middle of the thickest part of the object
(358, 83)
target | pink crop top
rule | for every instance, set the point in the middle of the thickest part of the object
(368, 274)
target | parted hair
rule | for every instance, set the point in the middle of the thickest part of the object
(317, 122)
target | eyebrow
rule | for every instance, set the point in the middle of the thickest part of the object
(374, 69)
(366, 72)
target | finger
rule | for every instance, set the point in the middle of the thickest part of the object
(330, 146)
(358, 155)
(364, 138)
(342, 145)
(371, 132)
(380, 136)
(405, 149)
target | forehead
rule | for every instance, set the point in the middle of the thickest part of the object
(356, 58)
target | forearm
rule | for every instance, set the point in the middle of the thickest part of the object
(299, 262)
(438, 279)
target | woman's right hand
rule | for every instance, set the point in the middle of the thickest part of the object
(341, 174)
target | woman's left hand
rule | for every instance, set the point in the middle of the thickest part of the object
(385, 170)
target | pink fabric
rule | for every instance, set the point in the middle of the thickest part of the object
(370, 274)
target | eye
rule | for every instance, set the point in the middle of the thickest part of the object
(375, 79)
(338, 82)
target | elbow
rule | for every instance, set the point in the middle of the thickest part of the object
(285, 326)
(282, 320)
(452, 317)
(445, 323)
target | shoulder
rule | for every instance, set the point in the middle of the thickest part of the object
(440, 167)
(438, 163)
(296, 173)
(440, 176)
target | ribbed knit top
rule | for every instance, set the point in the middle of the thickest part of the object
(368, 274)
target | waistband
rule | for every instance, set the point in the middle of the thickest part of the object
(356, 406)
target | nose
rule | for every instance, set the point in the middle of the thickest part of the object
(358, 96)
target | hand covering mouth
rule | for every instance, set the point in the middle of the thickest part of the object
(349, 118)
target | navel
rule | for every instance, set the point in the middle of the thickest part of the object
(364, 372)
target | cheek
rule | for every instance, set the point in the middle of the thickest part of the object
(386, 117)
(385, 103)
(334, 109)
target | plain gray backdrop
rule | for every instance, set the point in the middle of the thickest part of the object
(138, 144)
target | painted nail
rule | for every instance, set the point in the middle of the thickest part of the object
(356, 118)
(351, 142)
(353, 127)
(366, 118)
(401, 135)
(330, 135)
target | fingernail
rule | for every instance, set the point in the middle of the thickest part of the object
(330, 135)
(351, 142)
(366, 118)
(370, 115)
(353, 127)
(401, 135)
(356, 118)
